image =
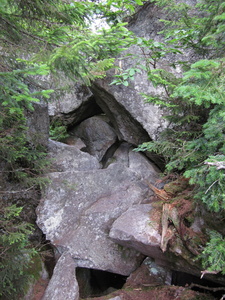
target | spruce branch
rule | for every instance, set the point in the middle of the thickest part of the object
(35, 37)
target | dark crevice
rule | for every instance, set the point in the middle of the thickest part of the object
(109, 154)
(127, 128)
(97, 283)
(48, 253)
(87, 110)
(197, 284)
(96, 106)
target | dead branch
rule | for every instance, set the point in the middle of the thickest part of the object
(213, 289)
(208, 272)
(19, 191)
(218, 164)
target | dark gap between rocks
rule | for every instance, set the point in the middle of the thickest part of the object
(87, 110)
(92, 108)
(197, 284)
(49, 254)
(97, 283)
(109, 154)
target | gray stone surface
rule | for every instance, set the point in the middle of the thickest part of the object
(126, 126)
(71, 103)
(135, 120)
(149, 274)
(97, 135)
(69, 157)
(135, 161)
(78, 209)
(142, 234)
(72, 96)
(140, 164)
(63, 284)
(38, 124)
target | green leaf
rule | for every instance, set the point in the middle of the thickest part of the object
(139, 2)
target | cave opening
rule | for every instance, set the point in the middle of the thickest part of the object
(85, 111)
(197, 284)
(97, 283)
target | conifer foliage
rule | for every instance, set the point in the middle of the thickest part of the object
(194, 143)
(38, 37)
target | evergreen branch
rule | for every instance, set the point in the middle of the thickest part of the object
(35, 37)
(38, 19)
(4, 251)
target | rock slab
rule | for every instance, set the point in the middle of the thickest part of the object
(63, 284)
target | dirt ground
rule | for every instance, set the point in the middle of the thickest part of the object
(157, 293)
(143, 293)
(39, 289)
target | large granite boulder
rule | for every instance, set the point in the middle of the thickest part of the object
(71, 96)
(84, 198)
(82, 201)
(97, 135)
(69, 157)
(71, 103)
(127, 127)
(135, 120)
(142, 232)
(157, 230)
(78, 209)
